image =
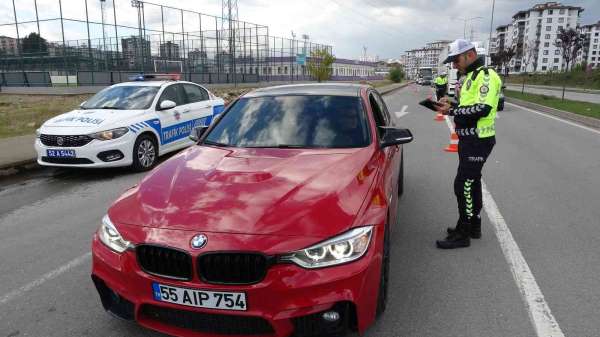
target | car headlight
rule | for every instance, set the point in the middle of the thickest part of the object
(111, 238)
(344, 248)
(109, 134)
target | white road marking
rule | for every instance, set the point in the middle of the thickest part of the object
(555, 118)
(403, 112)
(539, 312)
(46, 277)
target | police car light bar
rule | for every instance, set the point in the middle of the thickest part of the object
(163, 77)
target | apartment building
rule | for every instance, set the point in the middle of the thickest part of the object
(427, 56)
(591, 48)
(533, 32)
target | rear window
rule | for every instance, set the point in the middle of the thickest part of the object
(302, 121)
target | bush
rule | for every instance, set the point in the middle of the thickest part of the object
(396, 75)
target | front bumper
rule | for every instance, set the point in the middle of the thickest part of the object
(87, 155)
(290, 299)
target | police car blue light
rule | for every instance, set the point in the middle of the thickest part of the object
(128, 124)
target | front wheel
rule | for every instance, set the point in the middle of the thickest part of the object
(145, 153)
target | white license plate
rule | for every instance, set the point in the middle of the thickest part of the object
(61, 153)
(199, 298)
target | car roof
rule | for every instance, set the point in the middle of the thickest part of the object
(150, 83)
(329, 89)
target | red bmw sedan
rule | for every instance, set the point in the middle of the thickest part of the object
(277, 223)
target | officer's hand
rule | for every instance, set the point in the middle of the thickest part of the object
(443, 107)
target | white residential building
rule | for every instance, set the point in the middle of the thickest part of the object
(424, 57)
(591, 49)
(532, 34)
(8, 46)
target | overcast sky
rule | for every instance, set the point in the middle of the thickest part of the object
(386, 27)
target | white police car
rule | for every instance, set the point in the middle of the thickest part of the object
(127, 124)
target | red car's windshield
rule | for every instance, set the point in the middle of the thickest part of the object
(303, 121)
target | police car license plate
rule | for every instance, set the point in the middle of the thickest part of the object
(61, 153)
(199, 298)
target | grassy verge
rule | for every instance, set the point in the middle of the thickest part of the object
(23, 114)
(573, 79)
(580, 108)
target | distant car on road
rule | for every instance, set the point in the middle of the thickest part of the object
(277, 223)
(127, 124)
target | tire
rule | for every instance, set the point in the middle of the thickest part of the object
(145, 153)
(401, 175)
(382, 295)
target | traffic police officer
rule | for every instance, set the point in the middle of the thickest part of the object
(441, 85)
(474, 117)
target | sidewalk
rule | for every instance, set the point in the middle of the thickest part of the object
(16, 151)
(19, 151)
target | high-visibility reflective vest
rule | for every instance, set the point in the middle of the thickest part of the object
(482, 86)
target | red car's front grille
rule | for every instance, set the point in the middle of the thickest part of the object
(165, 262)
(233, 268)
(207, 323)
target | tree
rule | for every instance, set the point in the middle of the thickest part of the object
(501, 58)
(529, 52)
(569, 41)
(396, 74)
(319, 65)
(33, 44)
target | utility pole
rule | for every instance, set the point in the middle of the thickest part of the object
(102, 9)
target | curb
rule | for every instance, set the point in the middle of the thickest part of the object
(585, 120)
(17, 167)
(385, 91)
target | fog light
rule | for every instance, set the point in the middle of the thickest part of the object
(112, 155)
(331, 316)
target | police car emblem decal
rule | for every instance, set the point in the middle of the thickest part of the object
(199, 241)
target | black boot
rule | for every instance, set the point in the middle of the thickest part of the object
(455, 240)
(475, 232)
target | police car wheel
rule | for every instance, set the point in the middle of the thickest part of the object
(145, 153)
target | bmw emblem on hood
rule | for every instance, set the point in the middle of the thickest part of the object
(199, 241)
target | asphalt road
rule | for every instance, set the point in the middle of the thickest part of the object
(543, 175)
(557, 92)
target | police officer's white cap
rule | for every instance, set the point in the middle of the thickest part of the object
(458, 47)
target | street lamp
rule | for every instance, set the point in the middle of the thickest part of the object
(102, 4)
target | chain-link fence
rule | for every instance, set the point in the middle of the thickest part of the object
(100, 42)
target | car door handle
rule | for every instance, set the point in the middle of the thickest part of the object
(186, 111)
(204, 107)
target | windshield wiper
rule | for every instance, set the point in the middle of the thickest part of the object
(209, 142)
(109, 108)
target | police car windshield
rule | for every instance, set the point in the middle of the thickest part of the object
(294, 121)
(123, 98)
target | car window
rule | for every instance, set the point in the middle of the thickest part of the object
(173, 93)
(377, 114)
(303, 121)
(195, 93)
(122, 98)
(384, 109)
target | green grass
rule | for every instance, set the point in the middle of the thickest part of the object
(580, 108)
(574, 79)
(23, 114)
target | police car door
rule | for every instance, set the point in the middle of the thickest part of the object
(174, 128)
(200, 105)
